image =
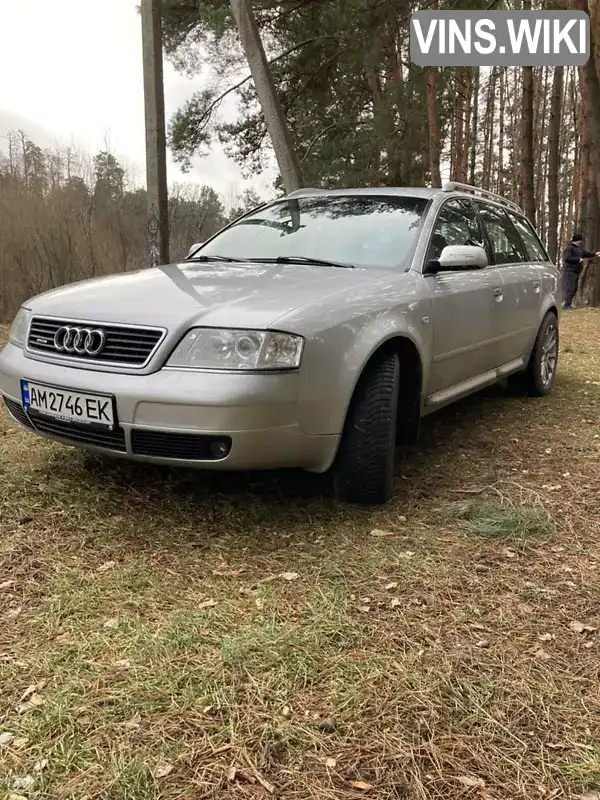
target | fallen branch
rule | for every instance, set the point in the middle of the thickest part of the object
(263, 781)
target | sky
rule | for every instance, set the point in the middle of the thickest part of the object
(72, 73)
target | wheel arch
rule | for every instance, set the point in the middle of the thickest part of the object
(551, 307)
(410, 390)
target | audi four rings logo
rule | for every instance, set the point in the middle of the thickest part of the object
(82, 341)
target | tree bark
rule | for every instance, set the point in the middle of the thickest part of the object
(527, 143)
(582, 209)
(376, 93)
(570, 83)
(474, 128)
(156, 146)
(459, 142)
(593, 89)
(511, 90)
(574, 194)
(488, 153)
(553, 153)
(434, 130)
(501, 132)
(540, 94)
(281, 138)
(540, 146)
(464, 163)
(563, 158)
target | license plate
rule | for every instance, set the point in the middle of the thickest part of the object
(89, 409)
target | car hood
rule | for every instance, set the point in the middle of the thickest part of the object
(215, 294)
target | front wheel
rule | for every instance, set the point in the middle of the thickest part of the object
(539, 378)
(363, 472)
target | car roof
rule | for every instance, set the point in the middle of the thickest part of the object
(449, 190)
(392, 191)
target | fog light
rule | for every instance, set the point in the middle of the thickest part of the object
(219, 448)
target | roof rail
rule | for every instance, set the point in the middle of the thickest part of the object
(453, 186)
(306, 190)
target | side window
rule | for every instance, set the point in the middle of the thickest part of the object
(506, 244)
(535, 251)
(457, 224)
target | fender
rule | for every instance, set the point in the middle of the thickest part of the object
(328, 380)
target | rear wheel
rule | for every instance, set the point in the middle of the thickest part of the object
(364, 468)
(539, 378)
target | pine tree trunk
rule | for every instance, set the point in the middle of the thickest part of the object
(553, 154)
(511, 95)
(589, 292)
(574, 194)
(527, 143)
(488, 153)
(474, 129)
(501, 132)
(563, 154)
(458, 120)
(582, 210)
(571, 83)
(434, 130)
(592, 80)
(542, 205)
(452, 139)
(540, 145)
(539, 83)
(468, 87)
(399, 108)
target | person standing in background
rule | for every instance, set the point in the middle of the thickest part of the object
(573, 257)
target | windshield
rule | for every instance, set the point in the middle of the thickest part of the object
(354, 229)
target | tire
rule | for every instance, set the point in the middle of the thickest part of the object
(539, 379)
(363, 471)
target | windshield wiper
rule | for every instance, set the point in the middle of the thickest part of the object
(279, 260)
(214, 258)
(303, 260)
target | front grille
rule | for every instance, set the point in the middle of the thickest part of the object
(17, 412)
(181, 446)
(125, 346)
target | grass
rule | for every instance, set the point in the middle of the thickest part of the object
(492, 519)
(179, 635)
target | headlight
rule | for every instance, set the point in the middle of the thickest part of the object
(209, 348)
(18, 330)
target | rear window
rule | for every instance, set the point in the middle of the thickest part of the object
(534, 248)
(506, 243)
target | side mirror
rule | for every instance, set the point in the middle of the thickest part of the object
(458, 257)
(193, 248)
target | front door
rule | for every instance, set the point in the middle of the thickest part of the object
(464, 304)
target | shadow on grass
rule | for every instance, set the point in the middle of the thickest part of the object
(105, 499)
(164, 504)
(451, 427)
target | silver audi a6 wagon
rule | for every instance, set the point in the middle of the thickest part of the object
(316, 332)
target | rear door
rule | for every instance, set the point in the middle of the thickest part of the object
(464, 304)
(538, 261)
(518, 307)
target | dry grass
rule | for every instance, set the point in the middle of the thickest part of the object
(177, 635)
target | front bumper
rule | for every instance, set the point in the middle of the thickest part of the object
(258, 413)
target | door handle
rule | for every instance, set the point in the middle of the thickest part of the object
(498, 293)
(537, 286)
